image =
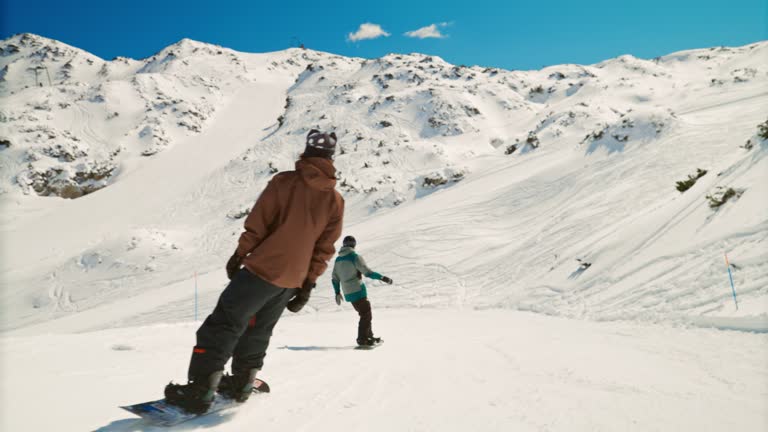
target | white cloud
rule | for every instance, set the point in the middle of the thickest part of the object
(430, 31)
(367, 31)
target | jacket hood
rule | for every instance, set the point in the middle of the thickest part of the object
(318, 173)
(346, 250)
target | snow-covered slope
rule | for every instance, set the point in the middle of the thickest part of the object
(124, 184)
(438, 370)
(156, 136)
(550, 190)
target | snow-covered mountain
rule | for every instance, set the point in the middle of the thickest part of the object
(604, 192)
(540, 173)
(73, 119)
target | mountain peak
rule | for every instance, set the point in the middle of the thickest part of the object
(187, 47)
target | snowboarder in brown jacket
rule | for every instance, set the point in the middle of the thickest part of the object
(289, 237)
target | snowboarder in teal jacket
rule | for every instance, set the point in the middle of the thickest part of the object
(347, 277)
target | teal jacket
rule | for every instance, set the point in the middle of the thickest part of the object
(347, 277)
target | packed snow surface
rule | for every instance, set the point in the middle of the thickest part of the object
(437, 370)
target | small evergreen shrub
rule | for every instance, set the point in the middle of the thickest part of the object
(722, 195)
(532, 140)
(762, 130)
(684, 185)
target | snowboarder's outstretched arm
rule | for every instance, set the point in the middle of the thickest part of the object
(363, 268)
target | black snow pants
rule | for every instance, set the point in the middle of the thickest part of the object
(240, 326)
(363, 308)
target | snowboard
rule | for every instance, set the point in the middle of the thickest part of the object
(370, 347)
(161, 413)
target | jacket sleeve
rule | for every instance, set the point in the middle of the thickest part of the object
(324, 246)
(363, 268)
(259, 220)
(336, 281)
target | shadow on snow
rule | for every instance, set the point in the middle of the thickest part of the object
(316, 348)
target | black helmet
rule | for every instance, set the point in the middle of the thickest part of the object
(350, 241)
(320, 144)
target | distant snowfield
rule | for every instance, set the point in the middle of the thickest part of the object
(548, 275)
(437, 370)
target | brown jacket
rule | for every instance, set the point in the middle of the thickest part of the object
(291, 230)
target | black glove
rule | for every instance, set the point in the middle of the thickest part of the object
(386, 280)
(302, 296)
(233, 265)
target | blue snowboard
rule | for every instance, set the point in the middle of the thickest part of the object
(161, 413)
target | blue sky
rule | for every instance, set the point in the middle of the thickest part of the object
(509, 34)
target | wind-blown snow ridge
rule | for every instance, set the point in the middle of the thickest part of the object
(551, 190)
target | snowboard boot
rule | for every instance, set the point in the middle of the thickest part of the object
(196, 396)
(368, 341)
(238, 386)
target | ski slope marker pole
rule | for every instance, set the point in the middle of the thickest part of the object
(730, 276)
